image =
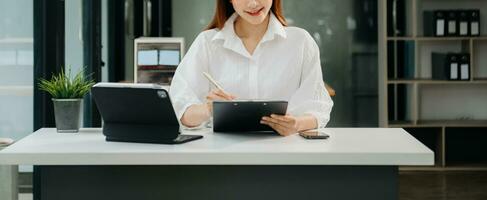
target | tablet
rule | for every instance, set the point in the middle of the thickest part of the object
(138, 113)
(245, 116)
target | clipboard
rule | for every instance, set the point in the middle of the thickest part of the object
(245, 115)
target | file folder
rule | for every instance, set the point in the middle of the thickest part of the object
(439, 66)
(463, 23)
(474, 22)
(440, 23)
(465, 67)
(453, 62)
(428, 23)
(397, 13)
(452, 21)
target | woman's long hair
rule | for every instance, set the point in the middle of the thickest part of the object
(224, 9)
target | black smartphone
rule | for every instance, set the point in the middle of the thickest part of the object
(314, 134)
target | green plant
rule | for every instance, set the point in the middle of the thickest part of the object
(61, 86)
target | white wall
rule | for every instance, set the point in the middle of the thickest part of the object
(190, 17)
(74, 35)
(16, 68)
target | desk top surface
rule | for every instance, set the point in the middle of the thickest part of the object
(346, 146)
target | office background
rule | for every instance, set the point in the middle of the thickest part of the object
(39, 36)
(345, 31)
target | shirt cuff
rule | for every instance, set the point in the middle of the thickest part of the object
(180, 116)
(321, 120)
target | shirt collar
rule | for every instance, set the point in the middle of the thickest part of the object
(231, 40)
(275, 28)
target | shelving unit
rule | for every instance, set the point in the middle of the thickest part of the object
(450, 117)
(420, 38)
(156, 59)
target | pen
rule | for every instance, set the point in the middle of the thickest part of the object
(208, 76)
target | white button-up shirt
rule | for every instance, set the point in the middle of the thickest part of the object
(284, 66)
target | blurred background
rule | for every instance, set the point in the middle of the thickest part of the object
(366, 47)
(345, 30)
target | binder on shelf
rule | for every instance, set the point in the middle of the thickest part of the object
(396, 25)
(463, 23)
(399, 96)
(400, 59)
(439, 66)
(474, 18)
(428, 23)
(452, 21)
(409, 60)
(453, 62)
(403, 61)
(440, 23)
(391, 61)
(465, 67)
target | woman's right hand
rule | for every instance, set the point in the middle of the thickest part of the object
(199, 113)
(217, 94)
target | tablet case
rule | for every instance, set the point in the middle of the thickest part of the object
(138, 113)
(245, 116)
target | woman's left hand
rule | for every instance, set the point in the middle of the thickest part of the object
(284, 124)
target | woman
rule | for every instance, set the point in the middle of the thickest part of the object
(249, 50)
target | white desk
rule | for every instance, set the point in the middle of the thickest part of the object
(348, 157)
(347, 146)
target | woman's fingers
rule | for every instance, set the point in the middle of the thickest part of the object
(215, 95)
(219, 95)
(279, 127)
(223, 94)
(286, 124)
(283, 124)
(284, 118)
(276, 127)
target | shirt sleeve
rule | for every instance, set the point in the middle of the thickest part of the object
(189, 86)
(312, 97)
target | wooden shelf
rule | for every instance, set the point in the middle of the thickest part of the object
(424, 38)
(406, 38)
(430, 81)
(158, 70)
(446, 168)
(401, 124)
(438, 123)
(452, 123)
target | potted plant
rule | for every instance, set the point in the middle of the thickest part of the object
(67, 96)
